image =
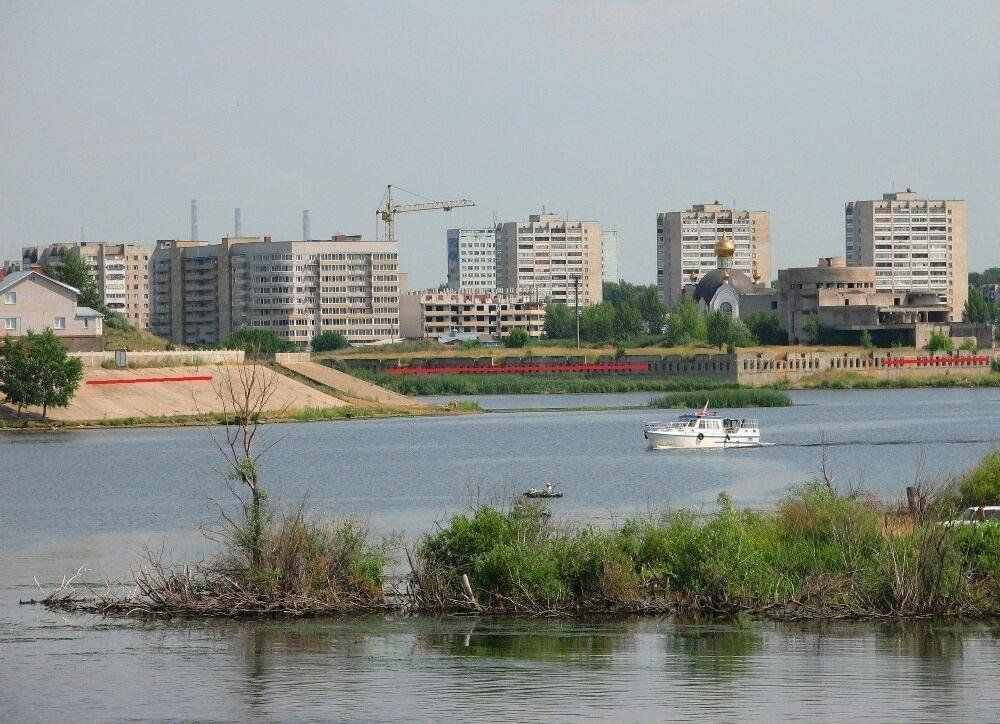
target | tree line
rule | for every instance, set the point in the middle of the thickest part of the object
(36, 371)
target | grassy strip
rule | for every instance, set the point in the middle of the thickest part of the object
(501, 384)
(723, 398)
(309, 414)
(850, 381)
(820, 554)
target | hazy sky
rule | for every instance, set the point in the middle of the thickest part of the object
(113, 116)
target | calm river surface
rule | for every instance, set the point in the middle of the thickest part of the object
(97, 497)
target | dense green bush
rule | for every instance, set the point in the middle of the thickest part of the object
(820, 553)
(256, 341)
(940, 342)
(517, 338)
(724, 398)
(329, 341)
(981, 485)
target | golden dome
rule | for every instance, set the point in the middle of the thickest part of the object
(756, 275)
(725, 248)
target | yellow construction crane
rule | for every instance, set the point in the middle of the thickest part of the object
(387, 212)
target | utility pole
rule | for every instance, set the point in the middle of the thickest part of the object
(576, 299)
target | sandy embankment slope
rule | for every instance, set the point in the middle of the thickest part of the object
(154, 399)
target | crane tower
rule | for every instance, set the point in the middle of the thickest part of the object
(387, 212)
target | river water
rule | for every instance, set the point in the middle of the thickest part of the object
(98, 497)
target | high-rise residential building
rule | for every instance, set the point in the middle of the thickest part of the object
(685, 244)
(914, 244)
(472, 258)
(546, 255)
(121, 272)
(609, 256)
(202, 292)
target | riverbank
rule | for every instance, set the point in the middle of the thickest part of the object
(310, 414)
(502, 384)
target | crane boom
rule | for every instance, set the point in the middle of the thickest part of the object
(388, 212)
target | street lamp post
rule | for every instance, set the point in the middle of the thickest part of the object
(576, 303)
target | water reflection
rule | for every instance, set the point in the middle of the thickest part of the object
(718, 651)
(568, 643)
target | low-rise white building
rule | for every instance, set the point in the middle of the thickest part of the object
(31, 301)
(487, 313)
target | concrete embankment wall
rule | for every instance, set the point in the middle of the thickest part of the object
(745, 367)
(172, 358)
(341, 382)
(760, 369)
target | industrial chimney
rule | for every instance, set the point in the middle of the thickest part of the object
(305, 225)
(194, 219)
(238, 225)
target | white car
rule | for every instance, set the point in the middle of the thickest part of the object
(978, 514)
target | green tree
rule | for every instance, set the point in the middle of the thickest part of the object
(329, 341)
(866, 340)
(17, 383)
(989, 276)
(719, 329)
(976, 308)
(256, 341)
(628, 322)
(940, 342)
(597, 323)
(686, 323)
(36, 370)
(75, 272)
(654, 312)
(812, 330)
(766, 327)
(560, 322)
(518, 337)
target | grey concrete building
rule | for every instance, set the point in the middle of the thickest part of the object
(542, 255)
(847, 299)
(201, 292)
(914, 245)
(685, 244)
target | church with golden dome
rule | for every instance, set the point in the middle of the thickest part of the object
(729, 290)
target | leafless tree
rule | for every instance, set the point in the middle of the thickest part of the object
(245, 394)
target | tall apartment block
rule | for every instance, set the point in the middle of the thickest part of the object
(541, 256)
(201, 292)
(472, 258)
(609, 257)
(685, 245)
(121, 271)
(914, 244)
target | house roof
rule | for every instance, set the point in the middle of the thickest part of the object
(11, 279)
(88, 312)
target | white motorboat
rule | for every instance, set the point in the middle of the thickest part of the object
(703, 429)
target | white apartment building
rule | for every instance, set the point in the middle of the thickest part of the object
(121, 272)
(914, 244)
(685, 245)
(472, 258)
(297, 289)
(545, 254)
(609, 257)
